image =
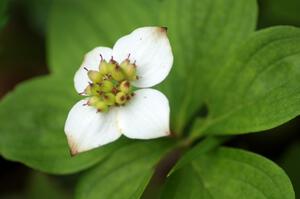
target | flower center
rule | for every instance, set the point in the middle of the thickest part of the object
(111, 84)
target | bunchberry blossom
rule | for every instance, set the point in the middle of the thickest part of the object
(113, 105)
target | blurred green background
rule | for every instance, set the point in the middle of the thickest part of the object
(23, 56)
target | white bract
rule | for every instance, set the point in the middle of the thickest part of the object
(112, 106)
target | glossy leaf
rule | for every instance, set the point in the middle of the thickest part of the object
(125, 174)
(259, 89)
(229, 174)
(32, 128)
(204, 37)
(203, 147)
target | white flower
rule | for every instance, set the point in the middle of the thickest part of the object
(112, 107)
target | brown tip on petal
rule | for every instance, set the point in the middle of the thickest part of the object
(163, 29)
(73, 152)
(72, 146)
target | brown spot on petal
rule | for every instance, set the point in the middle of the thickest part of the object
(72, 146)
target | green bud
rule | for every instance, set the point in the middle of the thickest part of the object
(109, 98)
(125, 86)
(89, 90)
(129, 70)
(101, 106)
(96, 89)
(93, 101)
(120, 98)
(105, 67)
(95, 76)
(125, 63)
(117, 74)
(106, 86)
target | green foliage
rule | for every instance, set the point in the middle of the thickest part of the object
(259, 88)
(203, 147)
(246, 79)
(126, 174)
(32, 123)
(90, 24)
(202, 38)
(208, 41)
(229, 174)
(38, 13)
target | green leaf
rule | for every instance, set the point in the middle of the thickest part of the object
(76, 27)
(202, 33)
(229, 174)
(38, 13)
(259, 89)
(203, 37)
(32, 127)
(125, 174)
(203, 147)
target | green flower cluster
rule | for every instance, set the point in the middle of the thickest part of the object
(111, 85)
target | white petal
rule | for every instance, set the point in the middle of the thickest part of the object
(146, 116)
(150, 48)
(91, 62)
(86, 129)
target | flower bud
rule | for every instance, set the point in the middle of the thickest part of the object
(106, 86)
(93, 101)
(96, 89)
(125, 86)
(105, 68)
(95, 76)
(120, 98)
(117, 73)
(101, 106)
(129, 70)
(125, 63)
(88, 90)
(109, 98)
